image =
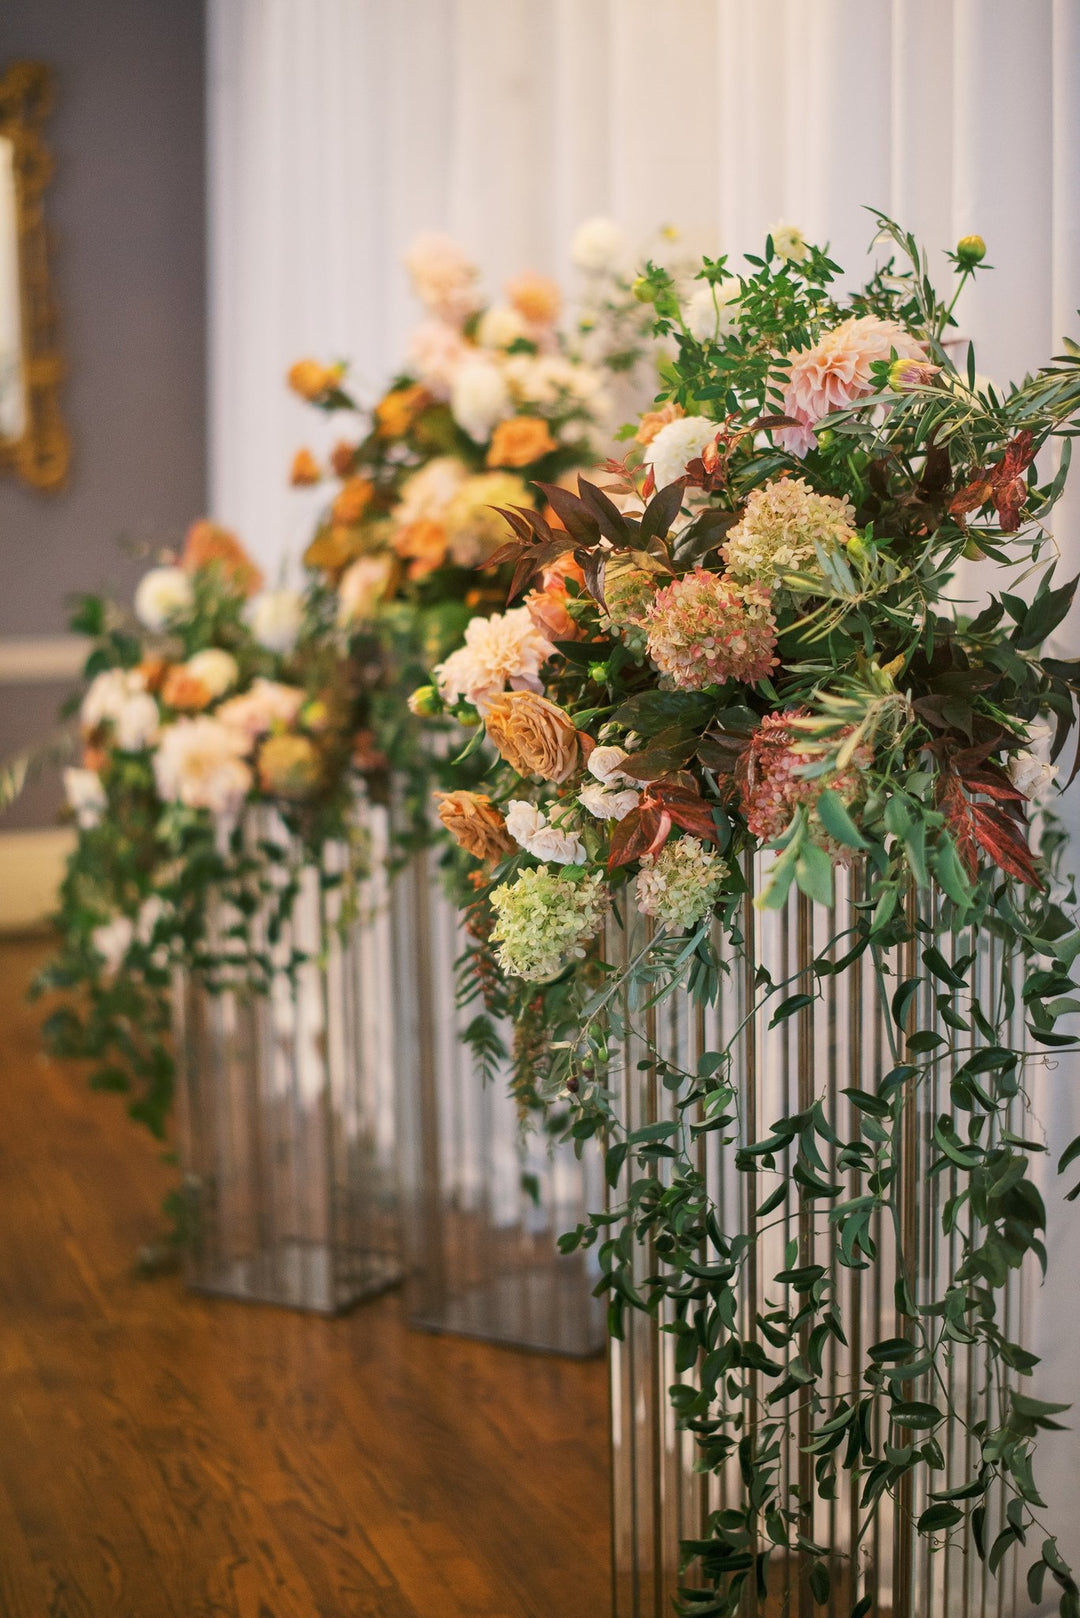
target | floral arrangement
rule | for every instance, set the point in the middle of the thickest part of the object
(744, 640)
(495, 399)
(212, 696)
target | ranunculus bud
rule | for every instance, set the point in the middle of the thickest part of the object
(970, 250)
(642, 290)
(425, 702)
(907, 375)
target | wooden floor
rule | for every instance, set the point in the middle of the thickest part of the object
(166, 1455)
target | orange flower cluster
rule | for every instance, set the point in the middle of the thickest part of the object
(207, 544)
(397, 410)
(520, 441)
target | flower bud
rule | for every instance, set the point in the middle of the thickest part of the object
(972, 552)
(907, 375)
(598, 672)
(858, 549)
(425, 702)
(467, 717)
(642, 290)
(970, 250)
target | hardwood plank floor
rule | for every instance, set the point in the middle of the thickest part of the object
(166, 1456)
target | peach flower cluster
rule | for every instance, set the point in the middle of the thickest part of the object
(771, 785)
(704, 629)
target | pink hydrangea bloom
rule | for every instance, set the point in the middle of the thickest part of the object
(771, 787)
(704, 629)
(836, 371)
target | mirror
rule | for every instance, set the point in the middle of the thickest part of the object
(33, 441)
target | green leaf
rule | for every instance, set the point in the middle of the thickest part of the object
(836, 820)
(814, 874)
(939, 1516)
(788, 1007)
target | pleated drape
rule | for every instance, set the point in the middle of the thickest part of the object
(339, 128)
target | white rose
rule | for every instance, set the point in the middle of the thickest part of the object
(85, 796)
(1030, 775)
(214, 669)
(708, 311)
(107, 693)
(499, 326)
(276, 617)
(608, 803)
(529, 827)
(598, 245)
(163, 595)
(135, 725)
(606, 765)
(112, 941)
(479, 398)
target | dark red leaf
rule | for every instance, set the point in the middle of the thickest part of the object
(634, 835)
(610, 519)
(573, 513)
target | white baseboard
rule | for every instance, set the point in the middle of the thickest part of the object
(31, 869)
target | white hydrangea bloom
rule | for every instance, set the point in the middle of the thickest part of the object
(112, 940)
(544, 921)
(681, 884)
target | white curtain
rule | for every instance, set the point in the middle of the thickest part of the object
(339, 128)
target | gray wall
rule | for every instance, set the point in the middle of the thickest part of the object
(126, 212)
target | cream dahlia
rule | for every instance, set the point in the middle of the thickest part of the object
(444, 278)
(504, 650)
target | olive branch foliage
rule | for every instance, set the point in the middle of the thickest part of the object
(876, 663)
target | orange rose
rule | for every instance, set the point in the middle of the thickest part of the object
(351, 501)
(536, 298)
(153, 671)
(396, 411)
(333, 548)
(341, 457)
(477, 825)
(424, 544)
(184, 690)
(313, 381)
(304, 470)
(207, 544)
(652, 421)
(533, 735)
(520, 441)
(547, 609)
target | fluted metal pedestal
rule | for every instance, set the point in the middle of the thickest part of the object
(285, 1098)
(840, 1040)
(485, 1202)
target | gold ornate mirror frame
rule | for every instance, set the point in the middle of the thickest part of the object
(39, 450)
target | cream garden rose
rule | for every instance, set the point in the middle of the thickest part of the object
(276, 618)
(163, 596)
(264, 705)
(85, 796)
(531, 829)
(200, 763)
